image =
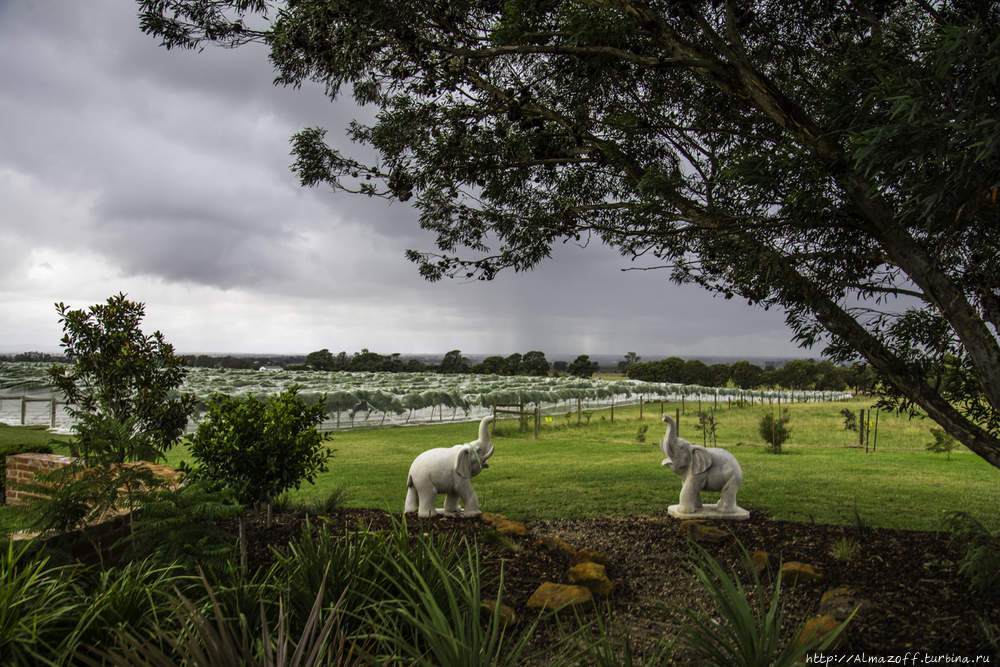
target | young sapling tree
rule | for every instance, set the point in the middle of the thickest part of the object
(258, 447)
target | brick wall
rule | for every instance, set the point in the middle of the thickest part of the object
(22, 468)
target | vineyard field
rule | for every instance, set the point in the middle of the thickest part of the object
(368, 400)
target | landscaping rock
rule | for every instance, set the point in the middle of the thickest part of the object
(799, 573)
(588, 555)
(507, 615)
(550, 597)
(490, 517)
(816, 628)
(592, 575)
(760, 561)
(702, 531)
(556, 545)
(842, 602)
(508, 527)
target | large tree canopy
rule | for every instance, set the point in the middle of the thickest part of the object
(834, 159)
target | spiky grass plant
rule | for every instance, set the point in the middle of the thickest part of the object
(845, 548)
(615, 647)
(500, 540)
(432, 611)
(40, 608)
(740, 627)
(200, 642)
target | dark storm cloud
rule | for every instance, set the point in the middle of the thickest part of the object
(125, 167)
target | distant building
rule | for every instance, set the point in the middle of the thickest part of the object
(270, 368)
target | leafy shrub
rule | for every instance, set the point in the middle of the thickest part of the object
(850, 419)
(943, 443)
(178, 526)
(121, 377)
(981, 563)
(774, 431)
(12, 449)
(258, 448)
(640, 436)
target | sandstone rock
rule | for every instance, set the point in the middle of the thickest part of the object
(508, 527)
(556, 545)
(592, 575)
(762, 560)
(799, 573)
(490, 517)
(816, 628)
(551, 596)
(842, 602)
(588, 555)
(507, 615)
(702, 531)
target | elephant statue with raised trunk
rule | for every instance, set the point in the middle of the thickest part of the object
(701, 469)
(449, 470)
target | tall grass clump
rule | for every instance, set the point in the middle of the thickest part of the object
(738, 626)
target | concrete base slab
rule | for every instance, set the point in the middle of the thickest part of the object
(710, 512)
(460, 513)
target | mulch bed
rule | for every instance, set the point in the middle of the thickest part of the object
(921, 603)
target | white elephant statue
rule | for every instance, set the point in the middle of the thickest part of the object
(700, 468)
(449, 470)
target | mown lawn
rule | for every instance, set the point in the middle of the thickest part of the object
(578, 470)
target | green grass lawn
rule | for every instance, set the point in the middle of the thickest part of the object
(32, 435)
(601, 469)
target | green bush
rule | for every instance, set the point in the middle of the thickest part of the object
(12, 449)
(774, 431)
(981, 563)
(256, 448)
(943, 443)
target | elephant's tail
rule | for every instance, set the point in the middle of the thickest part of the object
(409, 481)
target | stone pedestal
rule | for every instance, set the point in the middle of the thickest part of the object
(710, 512)
(459, 513)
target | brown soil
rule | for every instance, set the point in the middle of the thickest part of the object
(921, 603)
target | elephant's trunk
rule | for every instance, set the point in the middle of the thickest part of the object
(670, 439)
(484, 446)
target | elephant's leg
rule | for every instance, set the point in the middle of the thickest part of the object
(727, 501)
(469, 499)
(451, 503)
(428, 495)
(411, 500)
(690, 496)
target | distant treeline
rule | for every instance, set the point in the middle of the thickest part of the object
(34, 356)
(798, 375)
(795, 375)
(529, 363)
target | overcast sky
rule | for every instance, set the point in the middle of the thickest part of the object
(165, 175)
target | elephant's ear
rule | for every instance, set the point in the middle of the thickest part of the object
(462, 463)
(701, 460)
